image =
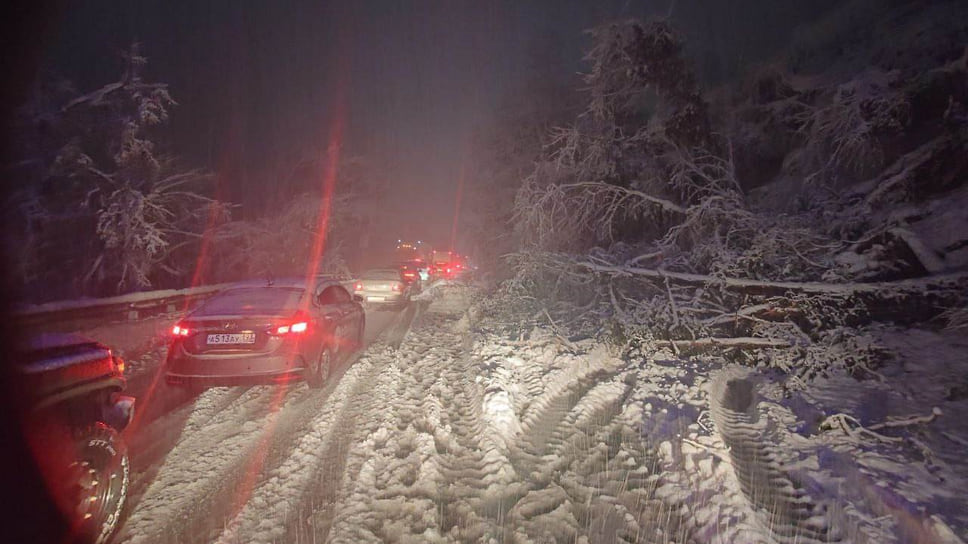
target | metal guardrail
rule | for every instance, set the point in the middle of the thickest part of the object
(130, 307)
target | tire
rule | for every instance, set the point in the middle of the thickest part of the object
(360, 333)
(98, 485)
(318, 373)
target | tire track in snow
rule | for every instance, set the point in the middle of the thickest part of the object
(295, 502)
(452, 460)
(227, 448)
(195, 471)
(583, 472)
(389, 486)
(589, 473)
(276, 501)
(479, 478)
(206, 476)
(788, 511)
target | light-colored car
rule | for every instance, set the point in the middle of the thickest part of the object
(384, 287)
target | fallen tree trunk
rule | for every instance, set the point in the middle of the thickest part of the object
(901, 301)
(746, 342)
(948, 282)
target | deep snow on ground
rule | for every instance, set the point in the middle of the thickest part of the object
(442, 431)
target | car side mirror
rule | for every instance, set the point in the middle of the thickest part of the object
(357, 298)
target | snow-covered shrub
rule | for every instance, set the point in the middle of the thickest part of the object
(839, 349)
(285, 243)
(845, 132)
(955, 319)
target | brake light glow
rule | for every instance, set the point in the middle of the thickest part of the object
(396, 287)
(120, 363)
(179, 330)
(294, 328)
(358, 286)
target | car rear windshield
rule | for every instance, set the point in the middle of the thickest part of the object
(382, 275)
(252, 301)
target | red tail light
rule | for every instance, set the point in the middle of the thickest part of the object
(297, 327)
(358, 286)
(180, 330)
(396, 287)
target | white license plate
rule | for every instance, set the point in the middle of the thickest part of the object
(231, 338)
(376, 299)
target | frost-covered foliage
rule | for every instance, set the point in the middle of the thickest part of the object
(753, 227)
(99, 209)
(317, 231)
(283, 244)
(505, 151)
(846, 133)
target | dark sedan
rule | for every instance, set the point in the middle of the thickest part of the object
(266, 332)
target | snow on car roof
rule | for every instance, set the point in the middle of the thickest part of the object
(53, 340)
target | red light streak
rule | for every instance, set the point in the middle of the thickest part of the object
(460, 192)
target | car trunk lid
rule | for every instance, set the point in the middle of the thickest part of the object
(231, 334)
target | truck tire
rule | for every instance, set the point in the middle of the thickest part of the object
(99, 486)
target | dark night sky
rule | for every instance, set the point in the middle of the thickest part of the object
(256, 80)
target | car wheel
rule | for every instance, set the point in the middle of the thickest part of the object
(319, 372)
(360, 333)
(99, 480)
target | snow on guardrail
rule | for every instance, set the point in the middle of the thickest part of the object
(130, 306)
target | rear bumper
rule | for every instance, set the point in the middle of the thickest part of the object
(233, 369)
(210, 380)
(384, 299)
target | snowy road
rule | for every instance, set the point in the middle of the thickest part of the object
(199, 449)
(443, 430)
(427, 436)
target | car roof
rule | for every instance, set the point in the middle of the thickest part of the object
(53, 340)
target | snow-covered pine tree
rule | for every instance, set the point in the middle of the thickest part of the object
(101, 210)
